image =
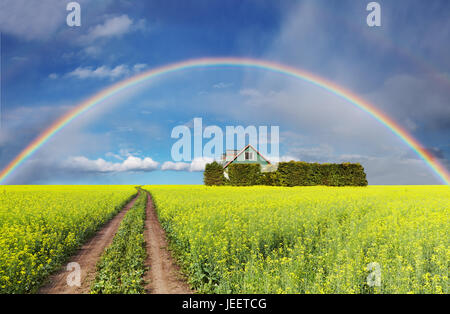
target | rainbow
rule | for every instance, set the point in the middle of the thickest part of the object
(113, 90)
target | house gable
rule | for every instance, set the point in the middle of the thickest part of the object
(248, 155)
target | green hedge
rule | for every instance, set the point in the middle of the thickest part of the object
(213, 174)
(244, 174)
(269, 178)
(296, 173)
(293, 173)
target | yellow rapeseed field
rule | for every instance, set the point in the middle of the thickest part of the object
(376, 239)
(40, 226)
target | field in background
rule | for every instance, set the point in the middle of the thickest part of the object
(309, 239)
(40, 226)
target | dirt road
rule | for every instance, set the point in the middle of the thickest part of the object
(87, 258)
(164, 275)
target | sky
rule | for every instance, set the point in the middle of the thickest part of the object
(47, 68)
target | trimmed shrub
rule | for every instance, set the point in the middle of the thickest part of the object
(292, 173)
(297, 173)
(213, 174)
(244, 174)
(269, 178)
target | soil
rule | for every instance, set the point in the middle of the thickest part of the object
(163, 275)
(87, 257)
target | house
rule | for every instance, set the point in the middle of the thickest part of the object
(247, 155)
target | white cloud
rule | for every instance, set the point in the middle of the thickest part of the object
(110, 154)
(132, 163)
(103, 71)
(30, 20)
(19, 59)
(112, 27)
(197, 165)
(126, 152)
(175, 166)
(222, 85)
(250, 92)
(92, 51)
(285, 158)
(139, 67)
(141, 25)
(100, 72)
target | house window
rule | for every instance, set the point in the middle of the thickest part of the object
(248, 156)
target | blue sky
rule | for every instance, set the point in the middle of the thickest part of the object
(47, 68)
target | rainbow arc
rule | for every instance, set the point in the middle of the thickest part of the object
(116, 88)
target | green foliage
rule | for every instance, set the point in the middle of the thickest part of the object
(269, 178)
(213, 174)
(293, 173)
(297, 173)
(121, 267)
(244, 174)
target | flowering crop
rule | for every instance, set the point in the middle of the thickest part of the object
(309, 239)
(41, 226)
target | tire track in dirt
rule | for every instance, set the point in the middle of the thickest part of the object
(163, 275)
(87, 257)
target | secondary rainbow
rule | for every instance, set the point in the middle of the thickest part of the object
(114, 89)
